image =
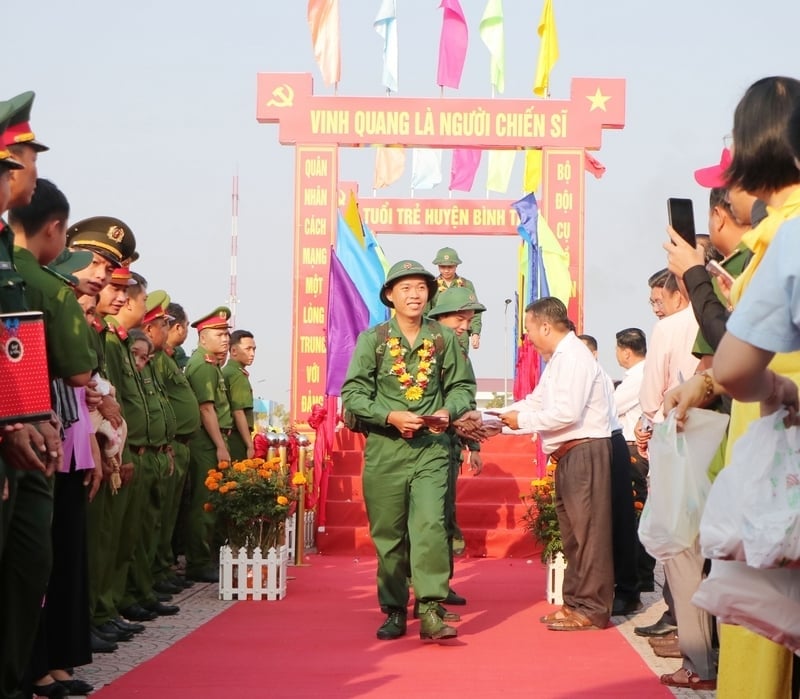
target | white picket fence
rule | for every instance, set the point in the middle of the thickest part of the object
(555, 578)
(253, 576)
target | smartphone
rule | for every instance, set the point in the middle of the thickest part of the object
(681, 218)
(715, 269)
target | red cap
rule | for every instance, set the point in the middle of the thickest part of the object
(121, 276)
(713, 176)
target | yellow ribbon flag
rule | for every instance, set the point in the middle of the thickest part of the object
(353, 219)
(556, 262)
(492, 34)
(389, 166)
(323, 20)
(533, 170)
(548, 50)
(498, 175)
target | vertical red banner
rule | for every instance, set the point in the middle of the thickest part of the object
(563, 185)
(316, 174)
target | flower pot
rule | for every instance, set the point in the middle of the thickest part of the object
(556, 565)
(249, 575)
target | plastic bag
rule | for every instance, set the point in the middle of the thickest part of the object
(753, 511)
(679, 481)
(765, 601)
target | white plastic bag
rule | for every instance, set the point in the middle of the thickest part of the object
(753, 510)
(765, 601)
(679, 482)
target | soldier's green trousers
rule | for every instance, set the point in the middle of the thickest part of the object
(162, 569)
(100, 552)
(199, 523)
(405, 484)
(24, 573)
(144, 517)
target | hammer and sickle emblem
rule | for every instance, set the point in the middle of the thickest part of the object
(283, 96)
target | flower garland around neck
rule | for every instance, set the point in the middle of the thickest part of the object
(414, 385)
(457, 281)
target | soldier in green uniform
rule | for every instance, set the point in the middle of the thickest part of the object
(39, 236)
(187, 416)
(240, 393)
(153, 467)
(31, 453)
(406, 389)
(178, 331)
(455, 310)
(447, 260)
(209, 445)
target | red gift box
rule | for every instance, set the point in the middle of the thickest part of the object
(24, 378)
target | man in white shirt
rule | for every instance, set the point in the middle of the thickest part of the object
(569, 410)
(631, 351)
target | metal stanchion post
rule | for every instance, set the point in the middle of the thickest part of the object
(300, 512)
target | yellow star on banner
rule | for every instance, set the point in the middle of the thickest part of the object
(598, 100)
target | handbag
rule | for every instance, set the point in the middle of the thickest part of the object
(679, 482)
(24, 377)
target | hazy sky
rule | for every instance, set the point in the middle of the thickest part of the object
(149, 109)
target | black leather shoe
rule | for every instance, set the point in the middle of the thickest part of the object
(180, 581)
(137, 612)
(443, 613)
(660, 628)
(623, 606)
(101, 646)
(111, 632)
(162, 609)
(167, 588)
(77, 688)
(161, 597)
(54, 689)
(204, 576)
(120, 623)
(394, 626)
(453, 598)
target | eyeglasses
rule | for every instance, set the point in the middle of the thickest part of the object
(656, 303)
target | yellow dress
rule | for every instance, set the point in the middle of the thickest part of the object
(751, 665)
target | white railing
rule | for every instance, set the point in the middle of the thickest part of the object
(253, 576)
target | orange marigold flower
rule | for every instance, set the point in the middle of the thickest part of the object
(299, 479)
(258, 461)
(240, 467)
(264, 472)
(218, 476)
(222, 465)
(247, 463)
(212, 485)
(282, 500)
(208, 507)
(232, 485)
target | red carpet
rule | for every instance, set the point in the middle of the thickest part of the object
(320, 641)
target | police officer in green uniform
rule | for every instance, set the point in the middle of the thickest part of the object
(240, 393)
(447, 260)
(406, 389)
(187, 416)
(153, 467)
(456, 310)
(28, 454)
(209, 445)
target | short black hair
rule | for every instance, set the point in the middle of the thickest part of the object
(633, 339)
(139, 287)
(139, 335)
(590, 341)
(550, 309)
(178, 314)
(763, 158)
(238, 335)
(47, 204)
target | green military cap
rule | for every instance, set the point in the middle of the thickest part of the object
(6, 159)
(107, 236)
(407, 268)
(67, 262)
(19, 130)
(447, 256)
(455, 299)
(155, 306)
(218, 318)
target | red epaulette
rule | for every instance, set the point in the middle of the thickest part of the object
(211, 359)
(121, 332)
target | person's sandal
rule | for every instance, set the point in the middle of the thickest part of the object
(684, 677)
